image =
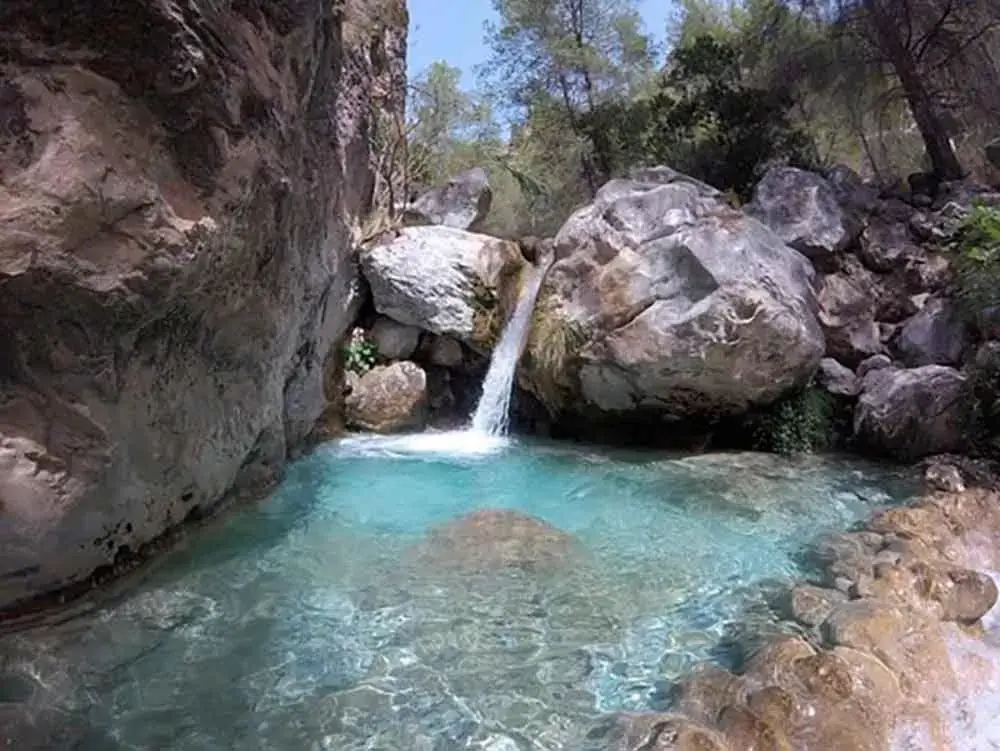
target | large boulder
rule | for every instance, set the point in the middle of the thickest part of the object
(848, 304)
(178, 186)
(802, 209)
(441, 279)
(913, 413)
(388, 399)
(937, 335)
(463, 203)
(666, 300)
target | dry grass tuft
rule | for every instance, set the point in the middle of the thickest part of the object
(552, 348)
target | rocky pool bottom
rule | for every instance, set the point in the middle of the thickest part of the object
(446, 592)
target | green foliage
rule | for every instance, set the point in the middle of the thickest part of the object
(977, 260)
(983, 403)
(708, 122)
(797, 424)
(360, 354)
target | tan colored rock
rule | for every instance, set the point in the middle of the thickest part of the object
(492, 538)
(704, 694)
(811, 605)
(745, 731)
(388, 399)
(666, 732)
(965, 596)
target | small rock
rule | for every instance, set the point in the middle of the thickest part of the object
(388, 399)
(836, 378)
(887, 245)
(706, 691)
(944, 477)
(965, 596)
(928, 273)
(745, 730)
(664, 732)
(811, 605)
(463, 203)
(393, 340)
(445, 352)
(875, 362)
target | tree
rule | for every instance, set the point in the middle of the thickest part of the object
(449, 129)
(708, 121)
(914, 41)
(564, 59)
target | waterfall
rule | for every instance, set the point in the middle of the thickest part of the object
(492, 416)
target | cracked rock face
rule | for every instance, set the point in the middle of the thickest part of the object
(686, 306)
(174, 265)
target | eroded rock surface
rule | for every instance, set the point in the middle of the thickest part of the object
(665, 300)
(175, 263)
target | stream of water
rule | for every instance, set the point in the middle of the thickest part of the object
(492, 412)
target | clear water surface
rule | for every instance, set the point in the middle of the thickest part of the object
(312, 621)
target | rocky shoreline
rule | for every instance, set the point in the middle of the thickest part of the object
(892, 641)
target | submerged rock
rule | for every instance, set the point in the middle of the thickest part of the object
(802, 209)
(493, 538)
(389, 398)
(910, 414)
(463, 203)
(175, 261)
(665, 300)
(441, 279)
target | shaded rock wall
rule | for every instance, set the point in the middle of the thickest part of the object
(179, 180)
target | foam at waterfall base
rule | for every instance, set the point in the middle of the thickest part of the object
(446, 444)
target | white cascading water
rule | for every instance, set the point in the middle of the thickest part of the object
(491, 417)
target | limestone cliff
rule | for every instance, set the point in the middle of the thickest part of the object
(178, 184)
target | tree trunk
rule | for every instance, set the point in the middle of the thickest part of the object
(932, 129)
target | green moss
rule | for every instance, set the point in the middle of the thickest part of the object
(801, 423)
(976, 261)
(983, 401)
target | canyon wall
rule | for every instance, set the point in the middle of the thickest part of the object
(181, 187)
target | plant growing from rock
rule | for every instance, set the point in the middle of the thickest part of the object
(802, 423)
(552, 345)
(360, 354)
(977, 260)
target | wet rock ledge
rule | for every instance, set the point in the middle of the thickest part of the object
(891, 642)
